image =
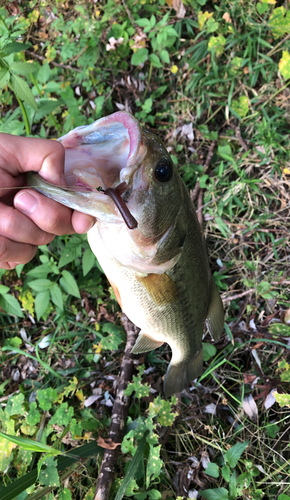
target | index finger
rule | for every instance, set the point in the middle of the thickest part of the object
(22, 154)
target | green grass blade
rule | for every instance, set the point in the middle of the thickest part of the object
(44, 365)
(132, 469)
(14, 489)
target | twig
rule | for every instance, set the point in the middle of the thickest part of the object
(241, 140)
(119, 414)
(209, 156)
(239, 295)
(194, 193)
(130, 15)
(42, 58)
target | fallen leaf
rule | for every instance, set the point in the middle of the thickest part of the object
(107, 443)
(250, 407)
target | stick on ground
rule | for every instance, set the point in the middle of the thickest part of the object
(119, 413)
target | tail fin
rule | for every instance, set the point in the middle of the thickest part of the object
(179, 375)
(215, 314)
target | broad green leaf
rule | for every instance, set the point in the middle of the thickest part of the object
(215, 494)
(4, 289)
(226, 473)
(279, 22)
(263, 7)
(33, 416)
(141, 390)
(88, 261)
(69, 284)
(217, 43)
(143, 22)
(6, 456)
(56, 296)
(209, 350)
(139, 57)
(22, 91)
(233, 485)
(212, 25)
(114, 339)
(44, 72)
(39, 272)
(233, 455)
(154, 464)
(11, 305)
(49, 477)
(40, 285)
(163, 409)
(47, 106)
(284, 65)
(164, 56)
(279, 329)
(23, 68)
(71, 251)
(154, 59)
(14, 405)
(241, 107)
(4, 77)
(283, 496)
(13, 47)
(65, 494)
(212, 470)
(41, 303)
(30, 444)
(63, 415)
(282, 399)
(46, 398)
(14, 342)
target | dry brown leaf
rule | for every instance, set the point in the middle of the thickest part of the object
(179, 7)
(107, 443)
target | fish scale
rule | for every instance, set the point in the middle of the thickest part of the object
(159, 270)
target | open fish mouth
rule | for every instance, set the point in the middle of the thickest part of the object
(100, 162)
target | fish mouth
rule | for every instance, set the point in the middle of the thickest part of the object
(103, 154)
(100, 159)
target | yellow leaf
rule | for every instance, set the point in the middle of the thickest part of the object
(284, 65)
(80, 396)
(27, 301)
(202, 17)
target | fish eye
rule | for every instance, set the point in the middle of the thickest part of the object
(163, 171)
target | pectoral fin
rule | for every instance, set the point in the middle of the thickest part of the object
(215, 314)
(145, 343)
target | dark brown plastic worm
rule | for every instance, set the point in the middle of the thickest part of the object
(114, 193)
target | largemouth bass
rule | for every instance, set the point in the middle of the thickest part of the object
(158, 266)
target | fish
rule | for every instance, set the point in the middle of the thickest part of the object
(157, 264)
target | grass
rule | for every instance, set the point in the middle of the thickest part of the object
(224, 68)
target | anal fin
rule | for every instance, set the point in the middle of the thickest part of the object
(145, 343)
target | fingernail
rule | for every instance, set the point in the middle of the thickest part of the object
(25, 203)
(89, 226)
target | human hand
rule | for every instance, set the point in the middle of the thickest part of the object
(35, 220)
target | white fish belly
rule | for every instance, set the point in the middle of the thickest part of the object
(135, 302)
